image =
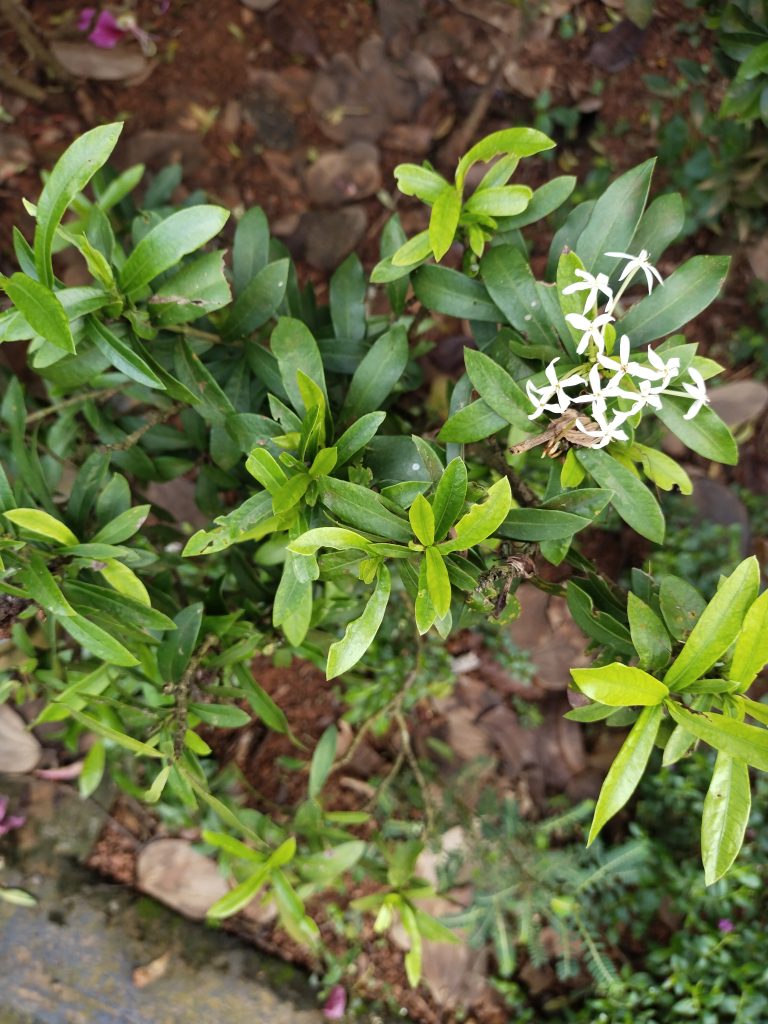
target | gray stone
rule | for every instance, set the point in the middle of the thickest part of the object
(332, 234)
(19, 749)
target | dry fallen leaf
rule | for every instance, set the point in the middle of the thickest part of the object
(151, 972)
(19, 749)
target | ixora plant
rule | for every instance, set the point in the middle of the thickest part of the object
(327, 496)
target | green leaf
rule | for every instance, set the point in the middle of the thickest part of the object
(357, 436)
(223, 716)
(620, 686)
(717, 627)
(328, 537)
(162, 248)
(292, 606)
(447, 291)
(42, 523)
(73, 170)
(750, 653)
(631, 498)
(627, 769)
(259, 300)
(482, 520)
(176, 650)
(89, 597)
(262, 704)
(744, 742)
(322, 761)
(42, 587)
(422, 182)
(499, 202)
(362, 508)
(295, 349)
(422, 520)
(598, 625)
(510, 283)
(155, 791)
(410, 253)
(681, 605)
(347, 299)
(474, 422)
(497, 388)
(705, 434)
(649, 636)
(120, 738)
(97, 640)
(198, 289)
(661, 469)
(379, 371)
(659, 226)
(444, 220)
(360, 633)
(684, 294)
(92, 771)
(250, 250)
(121, 355)
(197, 378)
(545, 200)
(120, 187)
(238, 897)
(541, 524)
(438, 582)
(614, 219)
(518, 142)
(449, 497)
(725, 816)
(41, 308)
(122, 526)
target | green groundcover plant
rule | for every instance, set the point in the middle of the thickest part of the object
(332, 496)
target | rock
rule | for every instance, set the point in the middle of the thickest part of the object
(260, 5)
(268, 107)
(19, 749)
(739, 402)
(616, 49)
(716, 503)
(344, 176)
(332, 234)
(175, 874)
(84, 60)
(545, 629)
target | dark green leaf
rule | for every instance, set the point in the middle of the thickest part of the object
(705, 434)
(614, 219)
(497, 389)
(259, 300)
(121, 355)
(631, 498)
(377, 374)
(649, 636)
(448, 291)
(362, 508)
(175, 652)
(347, 299)
(322, 761)
(250, 250)
(295, 349)
(197, 289)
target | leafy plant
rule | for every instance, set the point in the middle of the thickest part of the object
(332, 502)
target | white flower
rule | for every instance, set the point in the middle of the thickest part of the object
(646, 394)
(635, 263)
(542, 396)
(592, 285)
(663, 371)
(622, 364)
(697, 391)
(606, 431)
(593, 330)
(601, 390)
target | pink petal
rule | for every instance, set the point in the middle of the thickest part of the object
(85, 18)
(107, 32)
(64, 774)
(15, 821)
(336, 1003)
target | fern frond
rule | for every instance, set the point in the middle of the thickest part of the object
(598, 964)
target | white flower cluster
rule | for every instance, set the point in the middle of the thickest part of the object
(610, 377)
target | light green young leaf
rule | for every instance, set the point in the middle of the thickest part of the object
(41, 308)
(292, 606)
(38, 582)
(162, 248)
(726, 813)
(357, 436)
(444, 220)
(93, 770)
(265, 468)
(438, 583)
(620, 686)
(422, 520)
(547, 198)
(744, 742)
(411, 252)
(72, 172)
(322, 761)
(41, 523)
(507, 201)
(718, 626)
(750, 652)
(120, 738)
(518, 142)
(360, 633)
(663, 471)
(627, 769)
(238, 897)
(482, 520)
(155, 791)
(422, 182)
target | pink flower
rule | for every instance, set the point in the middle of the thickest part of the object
(85, 18)
(336, 1004)
(107, 32)
(8, 822)
(725, 925)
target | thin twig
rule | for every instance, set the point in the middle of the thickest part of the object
(21, 22)
(51, 410)
(153, 420)
(22, 86)
(181, 690)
